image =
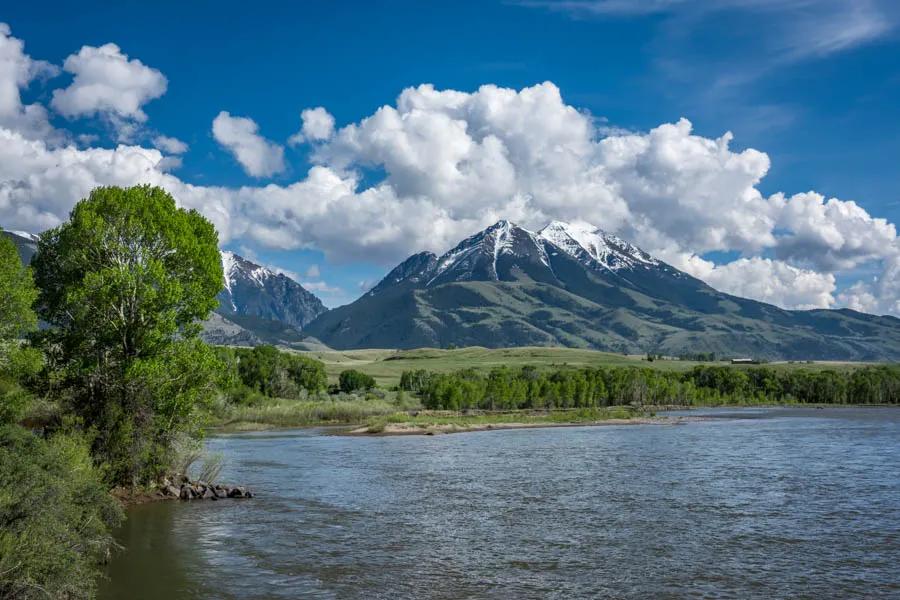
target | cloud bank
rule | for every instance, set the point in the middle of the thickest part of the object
(436, 165)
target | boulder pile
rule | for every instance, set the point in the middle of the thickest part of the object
(200, 490)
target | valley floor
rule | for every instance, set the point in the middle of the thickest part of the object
(386, 365)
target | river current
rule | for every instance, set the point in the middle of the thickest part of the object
(751, 503)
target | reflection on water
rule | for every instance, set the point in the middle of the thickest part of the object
(763, 503)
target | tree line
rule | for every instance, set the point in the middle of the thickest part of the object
(530, 388)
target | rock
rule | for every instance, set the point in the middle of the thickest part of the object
(240, 492)
(221, 493)
(171, 490)
(186, 492)
(208, 493)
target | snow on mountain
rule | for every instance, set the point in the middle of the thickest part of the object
(495, 252)
(254, 290)
(489, 254)
(607, 250)
(26, 243)
(31, 237)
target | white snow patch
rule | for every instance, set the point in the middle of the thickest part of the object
(609, 251)
(228, 265)
(24, 234)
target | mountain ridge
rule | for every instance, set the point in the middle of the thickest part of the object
(575, 285)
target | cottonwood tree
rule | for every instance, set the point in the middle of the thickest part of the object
(17, 294)
(123, 284)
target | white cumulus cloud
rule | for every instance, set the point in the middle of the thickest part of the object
(17, 71)
(317, 125)
(239, 135)
(108, 84)
(768, 280)
(170, 145)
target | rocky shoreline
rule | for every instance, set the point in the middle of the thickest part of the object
(200, 490)
(183, 489)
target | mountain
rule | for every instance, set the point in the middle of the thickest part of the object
(255, 291)
(575, 285)
(26, 244)
(256, 306)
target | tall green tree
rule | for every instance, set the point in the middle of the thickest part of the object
(17, 293)
(123, 284)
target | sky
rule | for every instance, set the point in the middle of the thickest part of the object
(752, 143)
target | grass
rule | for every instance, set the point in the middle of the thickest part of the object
(297, 413)
(386, 366)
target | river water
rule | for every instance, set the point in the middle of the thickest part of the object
(752, 503)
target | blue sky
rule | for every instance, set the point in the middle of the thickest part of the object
(813, 84)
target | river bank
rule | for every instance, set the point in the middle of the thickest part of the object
(414, 428)
(385, 418)
(439, 422)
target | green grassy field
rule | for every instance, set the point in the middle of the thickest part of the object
(386, 366)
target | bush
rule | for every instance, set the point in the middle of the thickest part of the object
(274, 373)
(55, 516)
(352, 380)
(13, 401)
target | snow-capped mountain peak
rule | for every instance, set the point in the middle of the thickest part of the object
(251, 289)
(607, 250)
(234, 266)
(478, 255)
(506, 251)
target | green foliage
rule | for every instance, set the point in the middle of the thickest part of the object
(510, 389)
(17, 294)
(351, 380)
(55, 516)
(13, 401)
(122, 284)
(17, 362)
(414, 381)
(269, 372)
(293, 413)
(164, 393)
(128, 270)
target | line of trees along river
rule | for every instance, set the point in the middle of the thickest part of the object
(504, 388)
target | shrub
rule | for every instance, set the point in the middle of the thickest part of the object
(55, 516)
(352, 380)
(278, 374)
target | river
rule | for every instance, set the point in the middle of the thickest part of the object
(752, 503)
